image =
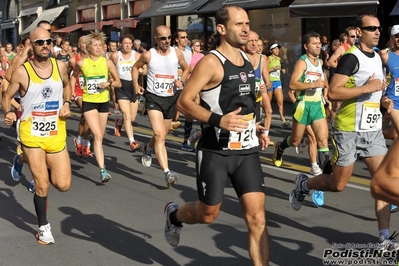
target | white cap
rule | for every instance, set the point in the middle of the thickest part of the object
(274, 45)
(395, 29)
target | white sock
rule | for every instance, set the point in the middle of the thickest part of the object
(86, 143)
(314, 164)
(79, 139)
(166, 170)
(131, 140)
(384, 234)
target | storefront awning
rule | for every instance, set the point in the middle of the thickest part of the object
(68, 29)
(7, 25)
(49, 15)
(395, 10)
(214, 5)
(331, 8)
(31, 11)
(173, 7)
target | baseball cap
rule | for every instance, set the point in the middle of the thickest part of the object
(395, 29)
(274, 45)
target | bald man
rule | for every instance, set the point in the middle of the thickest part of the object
(46, 106)
(162, 81)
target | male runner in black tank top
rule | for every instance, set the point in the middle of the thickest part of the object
(228, 147)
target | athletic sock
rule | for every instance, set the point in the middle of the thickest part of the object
(188, 126)
(41, 209)
(173, 219)
(285, 143)
(131, 140)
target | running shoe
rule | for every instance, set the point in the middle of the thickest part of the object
(116, 110)
(171, 233)
(118, 128)
(31, 187)
(394, 208)
(146, 159)
(44, 235)
(171, 178)
(301, 146)
(19, 149)
(187, 147)
(278, 155)
(78, 147)
(192, 139)
(390, 243)
(297, 195)
(316, 170)
(174, 125)
(285, 123)
(135, 146)
(105, 177)
(16, 169)
(318, 198)
(271, 143)
(87, 152)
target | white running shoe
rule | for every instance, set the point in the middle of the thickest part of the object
(316, 170)
(146, 159)
(171, 233)
(44, 235)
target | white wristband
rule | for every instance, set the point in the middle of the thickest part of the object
(266, 132)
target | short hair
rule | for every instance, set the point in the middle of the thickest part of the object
(127, 36)
(348, 29)
(137, 41)
(311, 34)
(222, 15)
(359, 19)
(95, 36)
(144, 45)
(342, 37)
(43, 22)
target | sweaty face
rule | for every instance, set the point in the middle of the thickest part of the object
(182, 39)
(163, 38)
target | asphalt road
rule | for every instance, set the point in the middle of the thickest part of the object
(120, 223)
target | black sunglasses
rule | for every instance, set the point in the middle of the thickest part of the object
(163, 38)
(396, 36)
(40, 42)
(183, 37)
(353, 36)
(371, 28)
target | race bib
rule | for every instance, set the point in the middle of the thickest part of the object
(246, 139)
(257, 84)
(44, 123)
(396, 86)
(92, 84)
(312, 76)
(81, 80)
(125, 67)
(275, 74)
(164, 84)
(371, 116)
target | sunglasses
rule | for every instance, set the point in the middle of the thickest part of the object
(40, 42)
(74, 50)
(197, 45)
(371, 28)
(183, 37)
(163, 38)
(353, 36)
(396, 36)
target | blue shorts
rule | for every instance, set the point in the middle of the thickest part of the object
(276, 85)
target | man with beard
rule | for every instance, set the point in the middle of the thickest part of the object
(43, 84)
